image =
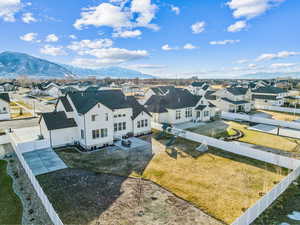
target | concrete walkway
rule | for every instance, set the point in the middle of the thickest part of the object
(43, 161)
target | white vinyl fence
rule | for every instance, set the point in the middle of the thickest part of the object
(47, 204)
(256, 119)
(279, 109)
(252, 213)
(236, 148)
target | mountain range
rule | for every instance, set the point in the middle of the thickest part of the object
(13, 64)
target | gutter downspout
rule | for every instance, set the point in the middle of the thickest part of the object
(84, 130)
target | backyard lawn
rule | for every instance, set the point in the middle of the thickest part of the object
(223, 185)
(10, 204)
(265, 139)
(26, 105)
(281, 115)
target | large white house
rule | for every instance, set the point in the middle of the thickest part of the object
(94, 119)
(4, 106)
(234, 99)
(179, 106)
(268, 96)
(198, 88)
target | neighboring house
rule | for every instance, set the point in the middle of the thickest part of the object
(95, 119)
(4, 106)
(46, 89)
(234, 99)
(198, 88)
(7, 87)
(179, 106)
(158, 90)
(270, 96)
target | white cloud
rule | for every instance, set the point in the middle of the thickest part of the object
(72, 36)
(127, 34)
(278, 55)
(30, 37)
(146, 12)
(175, 9)
(252, 66)
(52, 38)
(198, 27)
(115, 15)
(104, 14)
(166, 47)
(251, 8)
(90, 44)
(237, 26)
(189, 46)
(8, 9)
(52, 50)
(242, 61)
(115, 55)
(282, 65)
(28, 18)
(224, 42)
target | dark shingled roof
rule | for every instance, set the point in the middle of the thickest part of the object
(234, 102)
(177, 98)
(5, 97)
(269, 90)
(84, 101)
(237, 90)
(266, 97)
(211, 105)
(162, 90)
(137, 108)
(200, 107)
(57, 120)
(209, 95)
(64, 100)
(68, 89)
(197, 84)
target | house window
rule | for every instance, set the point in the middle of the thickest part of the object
(146, 123)
(120, 126)
(188, 112)
(95, 134)
(106, 116)
(94, 117)
(124, 115)
(115, 116)
(104, 132)
(98, 105)
(4, 108)
(206, 113)
(115, 127)
(198, 114)
(142, 123)
(124, 125)
(139, 124)
(82, 134)
(178, 115)
(119, 115)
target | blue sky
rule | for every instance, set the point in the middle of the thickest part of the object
(212, 38)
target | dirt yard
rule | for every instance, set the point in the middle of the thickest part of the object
(223, 185)
(118, 162)
(88, 198)
(281, 115)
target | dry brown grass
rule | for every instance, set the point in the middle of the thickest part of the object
(221, 184)
(265, 139)
(281, 115)
(23, 116)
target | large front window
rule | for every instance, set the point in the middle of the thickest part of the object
(95, 134)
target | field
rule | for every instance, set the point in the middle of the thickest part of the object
(281, 115)
(88, 198)
(15, 112)
(26, 105)
(221, 184)
(10, 204)
(265, 139)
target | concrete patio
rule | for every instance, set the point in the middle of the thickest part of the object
(135, 143)
(43, 161)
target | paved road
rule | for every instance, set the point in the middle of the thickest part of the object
(19, 123)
